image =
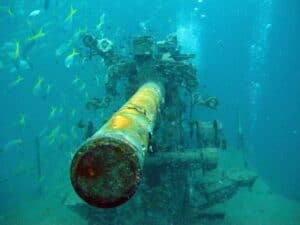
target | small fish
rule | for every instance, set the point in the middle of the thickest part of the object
(24, 65)
(10, 12)
(52, 137)
(86, 95)
(37, 35)
(22, 120)
(84, 59)
(76, 80)
(97, 78)
(17, 50)
(269, 25)
(70, 58)
(101, 22)
(48, 89)
(38, 86)
(13, 143)
(73, 112)
(13, 50)
(72, 12)
(143, 26)
(34, 13)
(82, 87)
(52, 112)
(17, 81)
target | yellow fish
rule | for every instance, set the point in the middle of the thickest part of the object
(101, 22)
(52, 112)
(84, 60)
(82, 87)
(38, 85)
(10, 12)
(70, 58)
(48, 89)
(75, 81)
(37, 35)
(72, 12)
(7, 10)
(52, 137)
(13, 143)
(18, 80)
(17, 141)
(17, 50)
(86, 95)
(73, 112)
(22, 120)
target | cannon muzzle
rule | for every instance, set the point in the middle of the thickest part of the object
(107, 168)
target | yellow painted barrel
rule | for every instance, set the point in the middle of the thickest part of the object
(107, 168)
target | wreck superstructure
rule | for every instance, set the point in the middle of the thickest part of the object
(176, 159)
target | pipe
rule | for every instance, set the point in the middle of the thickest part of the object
(107, 168)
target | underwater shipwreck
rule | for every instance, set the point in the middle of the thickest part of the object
(153, 161)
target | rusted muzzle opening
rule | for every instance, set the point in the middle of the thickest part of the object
(105, 172)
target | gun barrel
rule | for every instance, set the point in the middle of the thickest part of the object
(107, 168)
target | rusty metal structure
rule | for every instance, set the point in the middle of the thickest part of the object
(180, 180)
(107, 168)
